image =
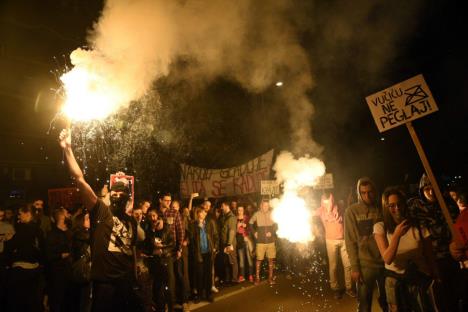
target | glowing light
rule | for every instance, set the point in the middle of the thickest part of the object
(293, 218)
(291, 212)
(93, 88)
(279, 84)
(86, 96)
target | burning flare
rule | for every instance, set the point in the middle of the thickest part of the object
(90, 91)
(291, 212)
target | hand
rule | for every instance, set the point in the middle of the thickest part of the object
(179, 254)
(65, 255)
(356, 276)
(256, 235)
(457, 251)
(184, 243)
(401, 228)
(105, 190)
(65, 138)
(193, 195)
(268, 234)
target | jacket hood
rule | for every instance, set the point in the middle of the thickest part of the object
(365, 180)
(423, 182)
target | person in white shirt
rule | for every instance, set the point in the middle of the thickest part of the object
(405, 248)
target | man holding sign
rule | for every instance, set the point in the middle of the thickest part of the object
(114, 233)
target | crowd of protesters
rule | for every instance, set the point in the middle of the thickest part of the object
(162, 255)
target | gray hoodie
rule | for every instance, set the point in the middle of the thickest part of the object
(359, 239)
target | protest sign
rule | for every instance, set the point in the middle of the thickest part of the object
(269, 187)
(401, 103)
(64, 197)
(325, 182)
(239, 180)
(128, 180)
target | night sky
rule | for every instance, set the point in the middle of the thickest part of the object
(355, 49)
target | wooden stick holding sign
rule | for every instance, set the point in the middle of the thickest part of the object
(400, 104)
(435, 185)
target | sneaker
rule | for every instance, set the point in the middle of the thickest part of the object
(214, 289)
(251, 279)
(241, 279)
(338, 294)
(351, 293)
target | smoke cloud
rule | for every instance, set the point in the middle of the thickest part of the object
(254, 44)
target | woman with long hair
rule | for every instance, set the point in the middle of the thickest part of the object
(407, 252)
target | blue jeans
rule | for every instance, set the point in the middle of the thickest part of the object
(372, 277)
(243, 253)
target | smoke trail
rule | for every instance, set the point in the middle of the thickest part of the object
(255, 44)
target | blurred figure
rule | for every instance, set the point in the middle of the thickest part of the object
(58, 252)
(81, 251)
(159, 247)
(244, 245)
(203, 245)
(425, 210)
(332, 217)
(265, 236)
(25, 256)
(228, 243)
(40, 217)
(6, 233)
(367, 267)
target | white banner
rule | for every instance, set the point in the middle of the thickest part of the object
(240, 180)
(403, 102)
(269, 187)
(325, 182)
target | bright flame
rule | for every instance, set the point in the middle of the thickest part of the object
(293, 218)
(86, 97)
(93, 89)
(291, 212)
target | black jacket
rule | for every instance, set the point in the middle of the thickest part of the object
(166, 238)
(211, 235)
(27, 245)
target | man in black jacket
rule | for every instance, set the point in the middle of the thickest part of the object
(158, 247)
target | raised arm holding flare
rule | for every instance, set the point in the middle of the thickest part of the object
(87, 193)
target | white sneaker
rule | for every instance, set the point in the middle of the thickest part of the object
(214, 289)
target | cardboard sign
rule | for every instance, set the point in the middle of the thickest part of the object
(269, 187)
(325, 182)
(240, 180)
(64, 197)
(403, 102)
(127, 179)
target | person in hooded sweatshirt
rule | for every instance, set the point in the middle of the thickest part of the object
(426, 211)
(114, 234)
(367, 267)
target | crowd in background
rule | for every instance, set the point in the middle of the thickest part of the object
(185, 250)
(106, 254)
